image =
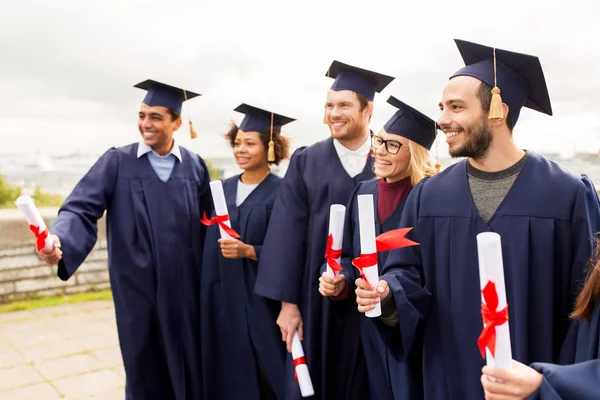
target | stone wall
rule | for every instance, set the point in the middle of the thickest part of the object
(23, 274)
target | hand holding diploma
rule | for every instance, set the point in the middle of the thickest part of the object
(48, 246)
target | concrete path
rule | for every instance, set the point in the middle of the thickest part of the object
(63, 352)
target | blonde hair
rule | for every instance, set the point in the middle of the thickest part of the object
(421, 163)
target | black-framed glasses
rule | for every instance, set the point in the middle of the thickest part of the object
(391, 146)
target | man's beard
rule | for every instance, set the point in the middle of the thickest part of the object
(477, 142)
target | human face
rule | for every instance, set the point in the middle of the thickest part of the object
(391, 167)
(463, 120)
(249, 151)
(343, 115)
(157, 128)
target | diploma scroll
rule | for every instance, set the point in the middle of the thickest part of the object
(495, 337)
(337, 213)
(218, 196)
(36, 223)
(301, 369)
(368, 246)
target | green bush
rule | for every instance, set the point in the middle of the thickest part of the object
(8, 193)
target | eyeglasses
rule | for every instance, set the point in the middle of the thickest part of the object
(391, 146)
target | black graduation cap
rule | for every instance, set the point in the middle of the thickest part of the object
(411, 124)
(348, 77)
(160, 94)
(258, 120)
(518, 76)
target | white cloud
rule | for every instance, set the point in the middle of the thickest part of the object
(69, 66)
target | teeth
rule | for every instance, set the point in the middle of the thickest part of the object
(451, 134)
(384, 162)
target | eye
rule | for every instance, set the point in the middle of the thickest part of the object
(456, 107)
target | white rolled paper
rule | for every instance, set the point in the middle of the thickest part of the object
(218, 196)
(366, 224)
(337, 213)
(491, 268)
(30, 212)
(306, 387)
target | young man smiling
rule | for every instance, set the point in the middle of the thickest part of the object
(319, 175)
(155, 193)
(546, 216)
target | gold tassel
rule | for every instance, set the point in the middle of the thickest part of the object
(438, 166)
(325, 111)
(496, 103)
(193, 133)
(271, 151)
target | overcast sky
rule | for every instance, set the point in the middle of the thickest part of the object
(68, 68)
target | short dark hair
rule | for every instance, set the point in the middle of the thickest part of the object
(282, 143)
(485, 97)
(175, 115)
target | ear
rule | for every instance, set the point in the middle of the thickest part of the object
(369, 109)
(177, 123)
(502, 121)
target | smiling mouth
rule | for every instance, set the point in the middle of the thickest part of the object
(149, 135)
(452, 133)
(384, 163)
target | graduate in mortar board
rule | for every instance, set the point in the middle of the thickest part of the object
(154, 193)
(319, 175)
(402, 159)
(545, 215)
(242, 352)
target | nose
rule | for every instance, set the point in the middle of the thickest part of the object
(335, 112)
(444, 119)
(381, 150)
(146, 123)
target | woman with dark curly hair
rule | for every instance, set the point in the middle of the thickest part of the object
(242, 352)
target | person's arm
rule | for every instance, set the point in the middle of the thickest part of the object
(77, 222)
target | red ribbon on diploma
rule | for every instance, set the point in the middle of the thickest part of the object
(390, 240)
(332, 255)
(220, 219)
(40, 237)
(491, 319)
(298, 361)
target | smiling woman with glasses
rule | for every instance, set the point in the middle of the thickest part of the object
(401, 160)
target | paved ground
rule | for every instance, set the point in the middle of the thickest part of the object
(64, 352)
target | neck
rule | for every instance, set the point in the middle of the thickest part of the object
(356, 142)
(164, 148)
(256, 175)
(502, 154)
(395, 178)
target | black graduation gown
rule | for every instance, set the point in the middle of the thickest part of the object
(578, 381)
(243, 335)
(546, 222)
(154, 253)
(295, 244)
(383, 353)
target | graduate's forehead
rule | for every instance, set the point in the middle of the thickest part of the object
(392, 136)
(242, 135)
(461, 88)
(146, 109)
(341, 96)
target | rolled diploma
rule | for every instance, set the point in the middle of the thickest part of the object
(218, 196)
(33, 217)
(491, 268)
(306, 387)
(337, 213)
(366, 224)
